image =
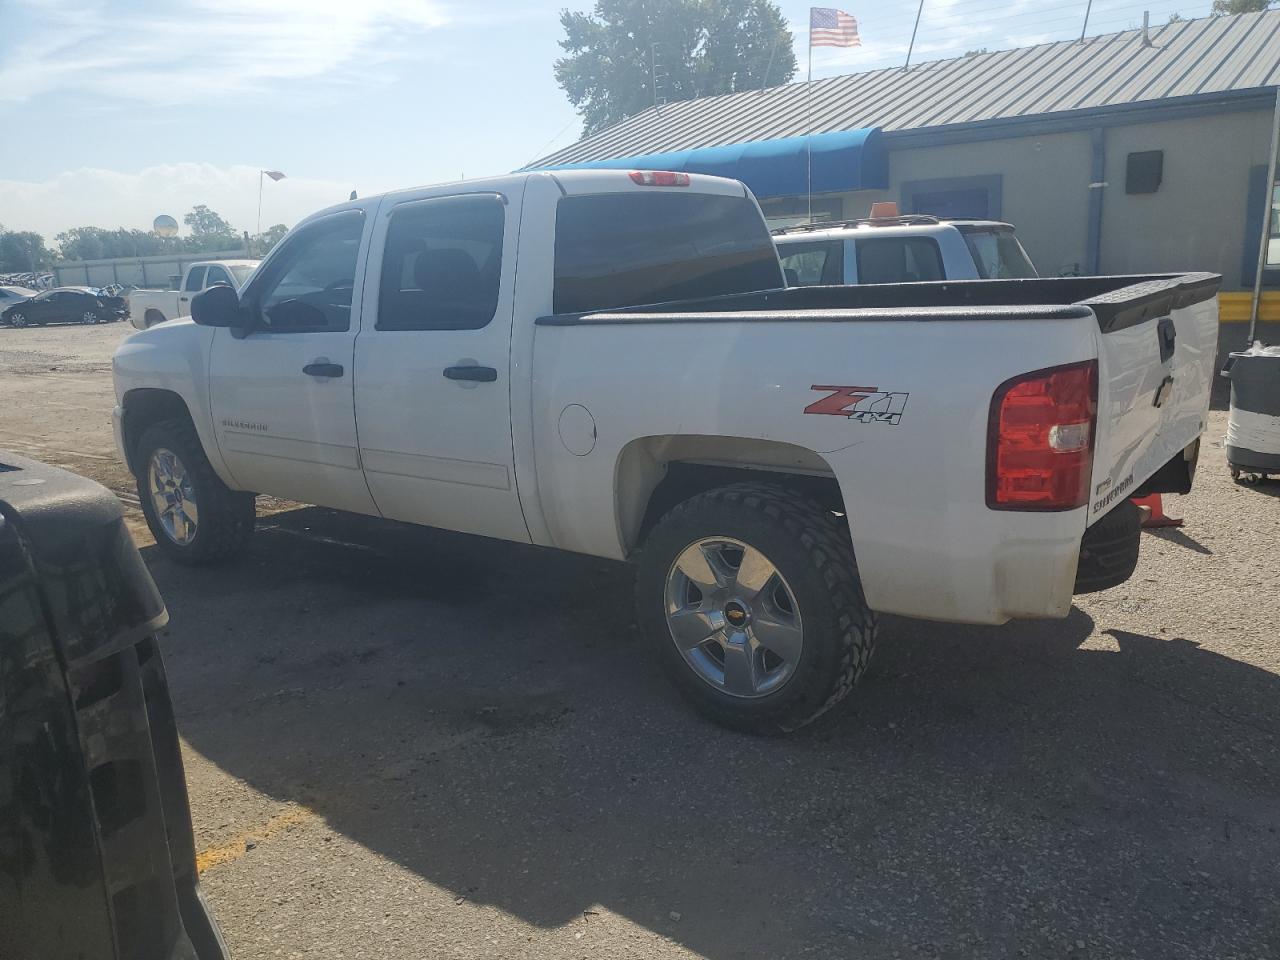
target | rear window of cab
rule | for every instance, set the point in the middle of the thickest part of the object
(628, 249)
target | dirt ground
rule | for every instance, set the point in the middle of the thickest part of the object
(402, 743)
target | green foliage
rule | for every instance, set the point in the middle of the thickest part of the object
(209, 230)
(268, 238)
(209, 233)
(1229, 8)
(976, 53)
(701, 48)
(22, 251)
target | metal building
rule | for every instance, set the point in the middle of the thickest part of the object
(1130, 152)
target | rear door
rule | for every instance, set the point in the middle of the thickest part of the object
(1156, 364)
(433, 390)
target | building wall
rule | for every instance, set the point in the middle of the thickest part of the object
(1196, 220)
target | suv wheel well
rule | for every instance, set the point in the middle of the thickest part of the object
(144, 407)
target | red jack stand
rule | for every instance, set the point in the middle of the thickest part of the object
(1153, 514)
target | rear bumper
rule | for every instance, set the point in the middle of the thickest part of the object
(987, 567)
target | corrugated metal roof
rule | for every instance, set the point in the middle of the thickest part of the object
(1193, 57)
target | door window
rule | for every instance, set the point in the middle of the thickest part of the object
(195, 280)
(217, 275)
(307, 286)
(811, 264)
(898, 260)
(442, 264)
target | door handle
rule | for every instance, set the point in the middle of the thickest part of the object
(322, 368)
(481, 374)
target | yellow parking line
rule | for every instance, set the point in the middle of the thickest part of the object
(235, 848)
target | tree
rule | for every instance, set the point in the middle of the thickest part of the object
(268, 238)
(697, 48)
(23, 251)
(976, 53)
(1229, 8)
(209, 231)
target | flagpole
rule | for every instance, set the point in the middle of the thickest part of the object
(912, 45)
(259, 230)
(808, 121)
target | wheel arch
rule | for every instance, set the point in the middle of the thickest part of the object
(144, 406)
(152, 316)
(654, 474)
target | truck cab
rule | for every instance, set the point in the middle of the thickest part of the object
(149, 307)
(900, 249)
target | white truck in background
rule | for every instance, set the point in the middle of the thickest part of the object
(780, 464)
(149, 307)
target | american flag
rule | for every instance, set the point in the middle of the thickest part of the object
(829, 27)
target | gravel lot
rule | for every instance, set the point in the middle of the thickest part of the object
(403, 743)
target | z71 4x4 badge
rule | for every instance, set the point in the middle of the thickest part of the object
(865, 404)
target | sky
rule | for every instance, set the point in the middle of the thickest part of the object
(115, 111)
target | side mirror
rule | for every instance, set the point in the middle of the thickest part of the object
(217, 307)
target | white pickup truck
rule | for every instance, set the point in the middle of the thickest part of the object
(469, 356)
(149, 307)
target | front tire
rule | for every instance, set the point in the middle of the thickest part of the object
(750, 597)
(194, 517)
(18, 320)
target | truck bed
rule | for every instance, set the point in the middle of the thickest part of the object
(1117, 302)
(912, 468)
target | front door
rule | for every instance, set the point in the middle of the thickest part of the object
(433, 388)
(282, 397)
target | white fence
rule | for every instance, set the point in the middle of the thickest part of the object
(159, 272)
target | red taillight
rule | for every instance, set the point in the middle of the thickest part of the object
(659, 178)
(1040, 439)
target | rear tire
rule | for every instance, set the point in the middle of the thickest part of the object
(173, 476)
(814, 585)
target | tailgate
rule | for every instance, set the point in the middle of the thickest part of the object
(1157, 349)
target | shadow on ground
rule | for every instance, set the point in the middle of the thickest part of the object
(487, 716)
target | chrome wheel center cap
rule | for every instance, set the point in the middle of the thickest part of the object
(737, 614)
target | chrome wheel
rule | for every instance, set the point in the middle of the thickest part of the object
(173, 496)
(17, 320)
(733, 617)
(89, 317)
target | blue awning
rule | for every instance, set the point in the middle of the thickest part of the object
(842, 160)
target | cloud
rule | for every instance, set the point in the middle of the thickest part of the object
(108, 198)
(184, 49)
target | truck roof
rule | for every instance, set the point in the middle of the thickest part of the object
(912, 223)
(570, 181)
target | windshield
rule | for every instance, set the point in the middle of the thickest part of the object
(242, 273)
(998, 255)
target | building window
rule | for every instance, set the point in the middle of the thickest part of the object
(959, 198)
(1256, 203)
(1273, 237)
(1143, 171)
